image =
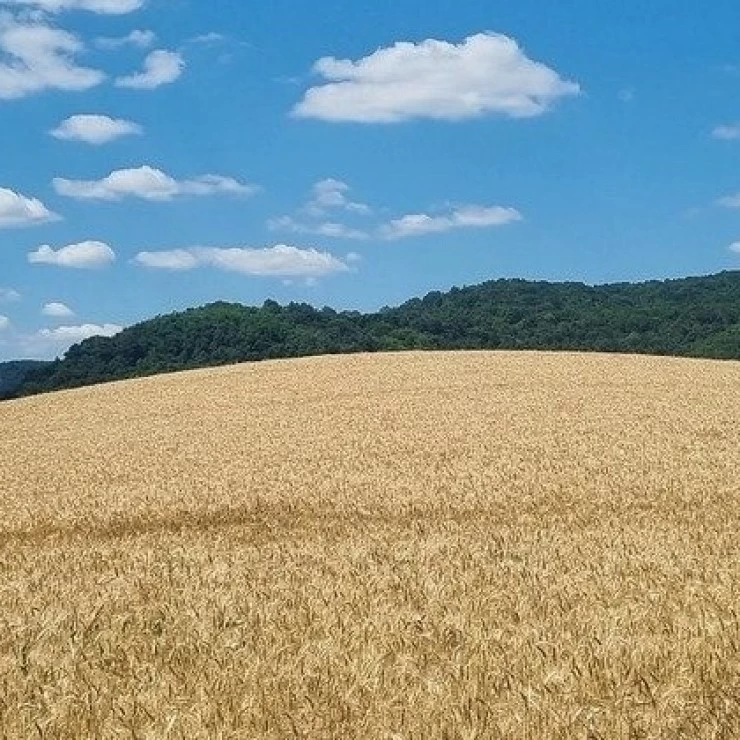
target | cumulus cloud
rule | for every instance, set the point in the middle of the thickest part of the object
(89, 255)
(137, 39)
(735, 247)
(8, 295)
(421, 224)
(278, 261)
(727, 133)
(19, 210)
(103, 7)
(149, 183)
(57, 310)
(160, 68)
(95, 129)
(4, 323)
(487, 74)
(36, 57)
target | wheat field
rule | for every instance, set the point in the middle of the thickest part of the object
(408, 546)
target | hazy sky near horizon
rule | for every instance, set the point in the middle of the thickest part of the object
(160, 154)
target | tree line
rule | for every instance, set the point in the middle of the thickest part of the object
(693, 317)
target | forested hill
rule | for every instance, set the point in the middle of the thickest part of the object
(13, 374)
(691, 317)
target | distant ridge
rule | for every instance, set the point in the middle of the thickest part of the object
(694, 317)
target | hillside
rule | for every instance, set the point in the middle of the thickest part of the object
(697, 317)
(13, 375)
(418, 545)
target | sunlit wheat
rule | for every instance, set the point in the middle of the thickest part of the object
(477, 545)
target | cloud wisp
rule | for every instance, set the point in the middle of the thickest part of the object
(317, 216)
(331, 229)
(137, 39)
(727, 132)
(730, 201)
(330, 197)
(9, 295)
(68, 335)
(463, 217)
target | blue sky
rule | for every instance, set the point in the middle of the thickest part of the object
(160, 154)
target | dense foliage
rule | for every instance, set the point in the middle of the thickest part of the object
(691, 317)
(13, 374)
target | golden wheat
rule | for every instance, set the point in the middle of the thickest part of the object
(480, 545)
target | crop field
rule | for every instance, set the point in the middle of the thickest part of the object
(411, 546)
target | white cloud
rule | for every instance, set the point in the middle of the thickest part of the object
(330, 194)
(330, 229)
(57, 310)
(172, 259)
(730, 201)
(735, 247)
(149, 183)
(327, 196)
(37, 57)
(104, 7)
(486, 74)
(87, 255)
(137, 39)
(339, 231)
(68, 335)
(160, 68)
(8, 295)
(416, 224)
(4, 323)
(727, 133)
(481, 217)
(19, 210)
(421, 224)
(212, 37)
(54, 342)
(278, 261)
(95, 129)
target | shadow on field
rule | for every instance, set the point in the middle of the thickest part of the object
(258, 519)
(262, 522)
